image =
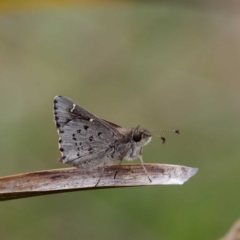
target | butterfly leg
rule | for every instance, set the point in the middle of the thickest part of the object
(144, 168)
(100, 175)
(117, 169)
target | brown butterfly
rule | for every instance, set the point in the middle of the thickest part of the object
(87, 141)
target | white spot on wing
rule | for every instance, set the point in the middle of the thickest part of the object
(91, 120)
(71, 110)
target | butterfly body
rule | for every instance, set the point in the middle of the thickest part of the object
(88, 141)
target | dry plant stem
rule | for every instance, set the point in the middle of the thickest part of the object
(72, 179)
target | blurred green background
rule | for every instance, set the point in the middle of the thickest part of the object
(162, 66)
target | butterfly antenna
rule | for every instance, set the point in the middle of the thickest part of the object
(164, 130)
(163, 139)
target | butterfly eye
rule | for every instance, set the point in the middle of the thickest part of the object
(137, 137)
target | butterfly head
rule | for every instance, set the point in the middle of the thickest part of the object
(141, 137)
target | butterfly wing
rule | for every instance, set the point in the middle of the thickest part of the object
(84, 138)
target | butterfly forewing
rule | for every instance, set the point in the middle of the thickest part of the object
(84, 138)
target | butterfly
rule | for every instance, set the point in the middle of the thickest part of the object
(87, 141)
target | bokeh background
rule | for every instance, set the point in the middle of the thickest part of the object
(160, 65)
